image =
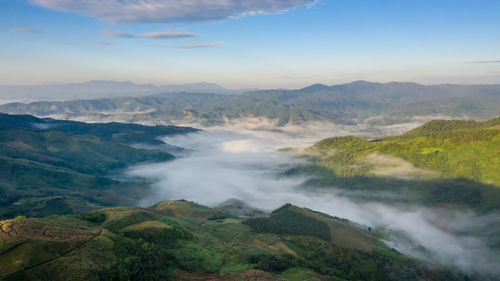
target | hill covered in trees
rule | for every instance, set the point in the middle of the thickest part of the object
(50, 166)
(180, 240)
(453, 162)
(437, 149)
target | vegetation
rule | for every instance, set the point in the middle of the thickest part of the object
(451, 163)
(148, 244)
(58, 167)
(439, 149)
(288, 221)
(94, 217)
(218, 216)
(138, 260)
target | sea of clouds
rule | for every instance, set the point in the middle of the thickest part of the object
(237, 163)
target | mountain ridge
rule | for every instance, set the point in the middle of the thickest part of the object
(95, 89)
(349, 103)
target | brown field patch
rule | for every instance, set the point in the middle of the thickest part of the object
(30, 229)
(182, 210)
(146, 224)
(496, 127)
(19, 145)
(116, 213)
(343, 234)
(348, 236)
(278, 247)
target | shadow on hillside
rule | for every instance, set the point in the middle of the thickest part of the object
(431, 192)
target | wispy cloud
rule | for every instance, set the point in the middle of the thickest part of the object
(69, 44)
(25, 30)
(485, 61)
(105, 43)
(193, 46)
(167, 34)
(170, 10)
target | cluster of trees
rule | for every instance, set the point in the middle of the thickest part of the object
(442, 126)
(273, 263)
(218, 216)
(96, 217)
(142, 254)
(349, 142)
(139, 260)
(286, 221)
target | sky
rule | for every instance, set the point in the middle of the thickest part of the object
(249, 43)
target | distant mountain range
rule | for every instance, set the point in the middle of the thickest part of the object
(102, 89)
(381, 103)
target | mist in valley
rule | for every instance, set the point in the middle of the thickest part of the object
(237, 162)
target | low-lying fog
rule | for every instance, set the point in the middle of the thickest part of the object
(221, 164)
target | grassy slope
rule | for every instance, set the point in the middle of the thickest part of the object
(452, 162)
(456, 149)
(465, 149)
(57, 167)
(151, 244)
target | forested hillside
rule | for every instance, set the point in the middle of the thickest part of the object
(180, 240)
(442, 162)
(451, 149)
(57, 167)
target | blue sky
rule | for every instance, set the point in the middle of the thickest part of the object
(257, 44)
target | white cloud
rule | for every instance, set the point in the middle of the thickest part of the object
(242, 164)
(67, 44)
(485, 61)
(170, 10)
(167, 34)
(193, 46)
(105, 43)
(25, 30)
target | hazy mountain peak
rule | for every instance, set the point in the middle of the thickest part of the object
(96, 89)
(315, 87)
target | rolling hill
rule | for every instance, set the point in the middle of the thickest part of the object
(50, 166)
(181, 240)
(452, 162)
(451, 148)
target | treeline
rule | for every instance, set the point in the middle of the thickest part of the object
(286, 221)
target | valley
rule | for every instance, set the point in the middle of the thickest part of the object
(380, 195)
(51, 167)
(249, 140)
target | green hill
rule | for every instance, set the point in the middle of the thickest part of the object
(57, 167)
(178, 240)
(452, 149)
(441, 162)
